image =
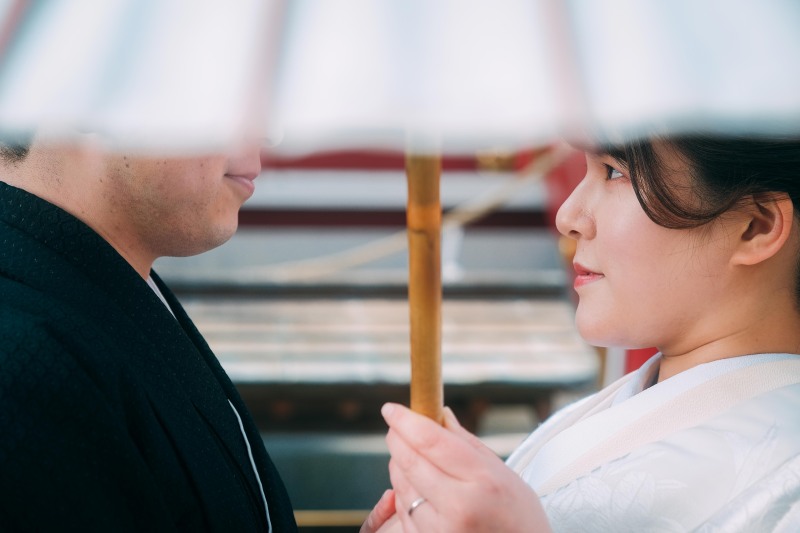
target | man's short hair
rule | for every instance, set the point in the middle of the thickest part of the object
(13, 152)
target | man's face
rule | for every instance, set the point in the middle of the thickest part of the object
(178, 206)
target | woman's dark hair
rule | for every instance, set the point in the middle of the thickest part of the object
(725, 170)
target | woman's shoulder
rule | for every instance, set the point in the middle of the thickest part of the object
(677, 482)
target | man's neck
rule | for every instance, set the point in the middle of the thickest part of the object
(69, 178)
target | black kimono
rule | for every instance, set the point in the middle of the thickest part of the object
(114, 416)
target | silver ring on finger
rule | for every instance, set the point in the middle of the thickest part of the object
(416, 503)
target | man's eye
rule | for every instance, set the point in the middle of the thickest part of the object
(612, 173)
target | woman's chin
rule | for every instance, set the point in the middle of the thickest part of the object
(592, 330)
(601, 335)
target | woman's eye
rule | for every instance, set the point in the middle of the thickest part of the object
(612, 173)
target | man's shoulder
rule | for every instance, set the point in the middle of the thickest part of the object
(26, 339)
(42, 340)
(24, 312)
(46, 374)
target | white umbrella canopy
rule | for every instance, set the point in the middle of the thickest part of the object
(517, 72)
(326, 74)
(174, 75)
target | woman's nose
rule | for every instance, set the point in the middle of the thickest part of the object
(573, 219)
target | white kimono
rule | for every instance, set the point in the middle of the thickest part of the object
(714, 448)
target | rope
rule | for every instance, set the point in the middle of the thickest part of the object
(326, 265)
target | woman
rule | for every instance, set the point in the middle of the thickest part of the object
(689, 244)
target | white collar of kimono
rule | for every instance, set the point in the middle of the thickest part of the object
(156, 290)
(623, 417)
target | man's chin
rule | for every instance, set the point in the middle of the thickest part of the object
(201, 244)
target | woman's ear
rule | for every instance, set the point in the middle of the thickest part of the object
(769, 221)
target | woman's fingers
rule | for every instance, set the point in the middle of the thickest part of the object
(393, 525)
(452, 449)
(451, 423)
(382, 512)
(464, 483)
(414, 510)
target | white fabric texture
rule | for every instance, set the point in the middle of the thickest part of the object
(154, 287)
(715, 448)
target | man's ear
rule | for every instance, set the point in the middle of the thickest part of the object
(769, 223)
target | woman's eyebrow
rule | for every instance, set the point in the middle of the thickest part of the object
(611, 152)
(601, 151)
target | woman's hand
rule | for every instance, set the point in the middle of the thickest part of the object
(382, 516)
(445, 479)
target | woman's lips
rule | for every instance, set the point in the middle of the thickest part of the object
(584, 275)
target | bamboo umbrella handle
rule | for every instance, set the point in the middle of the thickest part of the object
(424, 220)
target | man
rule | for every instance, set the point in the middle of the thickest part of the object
(116, 416)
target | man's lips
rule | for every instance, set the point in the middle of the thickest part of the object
(584, 275)
(245, 180)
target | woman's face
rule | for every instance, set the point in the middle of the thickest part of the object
(640, 284)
